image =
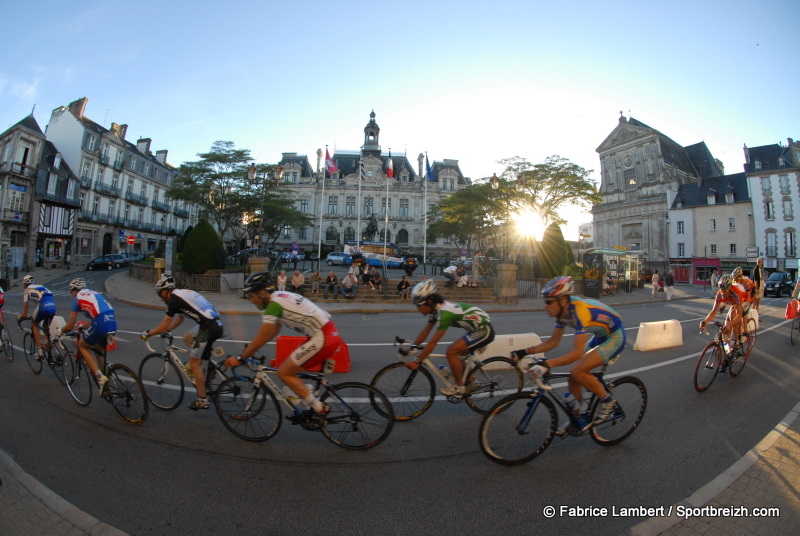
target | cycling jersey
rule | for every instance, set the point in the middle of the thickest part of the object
(45, 303)
(36, 293)
(193, 305)
(737, 296)
(746, 284)
(95, 306)
(461, 315)
(590, 316)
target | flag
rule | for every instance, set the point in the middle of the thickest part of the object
(428, 171)
(390, 167)
(361, 167)
(330, 165)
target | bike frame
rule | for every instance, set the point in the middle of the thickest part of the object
(262, 377)
(173, 351)
(543, 387)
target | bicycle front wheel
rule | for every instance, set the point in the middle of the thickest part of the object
(29, 349)
(410, 392)
(162, 381)
(707, 366)
(248, 411)
(488, 382)
(56, 362)
(7, 345)
(518, 428)
(125, 392)
(360, 418)
(79, 379)
(794, 334)
(631, 397)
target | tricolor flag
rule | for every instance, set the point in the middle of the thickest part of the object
(330, 165)
(428, 171)
(390, 167)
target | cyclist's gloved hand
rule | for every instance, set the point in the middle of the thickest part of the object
(539, 369)
(57, 332)
(233, 361)
(519, 354)
(403, 351)
(145, 335)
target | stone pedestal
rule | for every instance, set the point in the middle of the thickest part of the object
(258, 264)
(507, 289)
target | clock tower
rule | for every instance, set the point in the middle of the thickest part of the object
(371, 133)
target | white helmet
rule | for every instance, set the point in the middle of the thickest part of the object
(422, 291)
(27, 280)
(167, 282)
(77, 284)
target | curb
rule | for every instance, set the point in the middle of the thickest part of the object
(704, 495)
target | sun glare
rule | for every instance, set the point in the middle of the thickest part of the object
(529, 224)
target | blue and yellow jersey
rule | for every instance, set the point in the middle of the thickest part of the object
(590, 316)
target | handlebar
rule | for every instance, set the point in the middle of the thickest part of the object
(715, 323)
(21, 320)
(166, 335)
(255, 359)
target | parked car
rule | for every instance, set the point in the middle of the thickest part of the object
(779, 283)
(106, 262)
(121, 259)
(338, 258)
(134, 256)
(287, 256)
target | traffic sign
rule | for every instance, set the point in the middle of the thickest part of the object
(131, 240)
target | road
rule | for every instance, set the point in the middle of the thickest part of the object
(183, 473)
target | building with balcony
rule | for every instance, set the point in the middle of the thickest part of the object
(122, 185)
(343, 204)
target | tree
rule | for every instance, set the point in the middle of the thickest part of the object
(203, 249)
(471, 215)
(552, 252)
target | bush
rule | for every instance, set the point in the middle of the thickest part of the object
(202, 249)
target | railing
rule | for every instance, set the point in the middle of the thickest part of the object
(119, 163)
(136, 198)
(104, 159)
(19, 169)
(181, 212)
(106, 188)
(161, 205)
(86, 182)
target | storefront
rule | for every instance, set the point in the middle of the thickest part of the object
(702, 268)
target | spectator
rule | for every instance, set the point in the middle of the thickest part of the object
(348, 287)
(355, 269)
(375, 279)
(759, 281)
(281, 280)
(714, 279)
(315, 281)
(68, 261)
(404, 288)
(330, 285)
(476, 269)
(669, 282)
(450, 274)
(654, 281)
(366, 275)
(298, 283)
(461, 276)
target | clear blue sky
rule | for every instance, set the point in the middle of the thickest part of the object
(476, 82)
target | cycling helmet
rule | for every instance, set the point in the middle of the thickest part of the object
(167, 282)
(27, 280)
(737, 273)
(560, 286)
(77, 284)
(725, 282)
(259, 281)
(422, 291)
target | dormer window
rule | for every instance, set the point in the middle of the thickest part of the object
(711, 199)
(57, 161)
(729, 198)
(680, 205)
(758, 164)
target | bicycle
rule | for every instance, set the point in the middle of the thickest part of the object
(713, 359)
(360, 416)
(123, 390)
(521, 426)
(36, 363)
(6, 346)
(411, 387)
(163, 373)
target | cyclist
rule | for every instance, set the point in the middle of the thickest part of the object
(183, 303)
(480, 332)
(744, 282)
(599, 340)
(43, 313)
(94, 336)
(738, 298)
(281, 308)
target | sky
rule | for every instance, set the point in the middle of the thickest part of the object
(471, 81)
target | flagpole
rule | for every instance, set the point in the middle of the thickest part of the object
(359, 208)
(425, 218)
(386, 216)
(322, 205)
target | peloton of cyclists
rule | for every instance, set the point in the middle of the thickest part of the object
(599, 339)
(43, 313)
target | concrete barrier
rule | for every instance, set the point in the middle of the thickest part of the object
(503, 345)
(659, 335)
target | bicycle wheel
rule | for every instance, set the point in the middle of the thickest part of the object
(360, 416)
(631, 397)
(750, 336)
(56, 362)
(707, 366)
(496, 378)
(248, 411)
(7, 345)
(794, 334)
(29, 348)
(518, 428)
(409, 391)
(162, 381)
(79, 378)
(125, 392)
(737, 360)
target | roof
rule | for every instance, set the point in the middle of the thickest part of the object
(771, 157)
(28, 123)
(696, 195)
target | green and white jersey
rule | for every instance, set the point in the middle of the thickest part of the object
(295, 312)
(462, 315)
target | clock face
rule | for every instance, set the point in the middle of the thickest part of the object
(370, 173)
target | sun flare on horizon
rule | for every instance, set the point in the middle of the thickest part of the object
(529, 224)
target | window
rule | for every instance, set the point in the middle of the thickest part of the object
(766, 186)
(712, 224)
(350, 206)
(114, 181)
(680, 227)
(47, 214)
(331, 235)
(758, 164)
(133, 163)
(784, 179)
(112, 208)
(65, 218)
(52, 183)
(301, 233)
(403, 208)
(141, 214)
(368, 206)
(304, 209)
(713, 250)
(144, 190)
(83, 198)
(769, 210)
(147, 168)
(733, 250)
(729, 198)
(731, 224)
(57, 161)
(287, 233)
(384, 202)
(71, 189)
(130, 186)
(333, 202)
(90, 142)
(791, 246)
(95, 205)
(681, 249)
(772, 248)
(87, 170)
(787, 210)
(711, 199)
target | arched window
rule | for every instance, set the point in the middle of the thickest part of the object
(349, 234)
(402, 236)
(388, 235)
(331, 235)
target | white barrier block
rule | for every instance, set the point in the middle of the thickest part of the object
(659, 335)
(503, 345)
(56, 323)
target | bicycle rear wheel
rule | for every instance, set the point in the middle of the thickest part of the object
(487, 383)
(737, 360)
(410, 392)
(7, 345)
(794, 334)
(79, 379)
(631, 397)
(750, 337)
(162, 381)
(29, 349)
(125, 392)
(518, 428)
(360, 418)
(56, 362)
(707, 366)
(248, 411)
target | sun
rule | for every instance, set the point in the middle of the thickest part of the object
(529, 224)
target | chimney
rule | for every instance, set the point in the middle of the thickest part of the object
(77, 107)
(143, 144)
(161, 156)
(746, 154)
(790, 140)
